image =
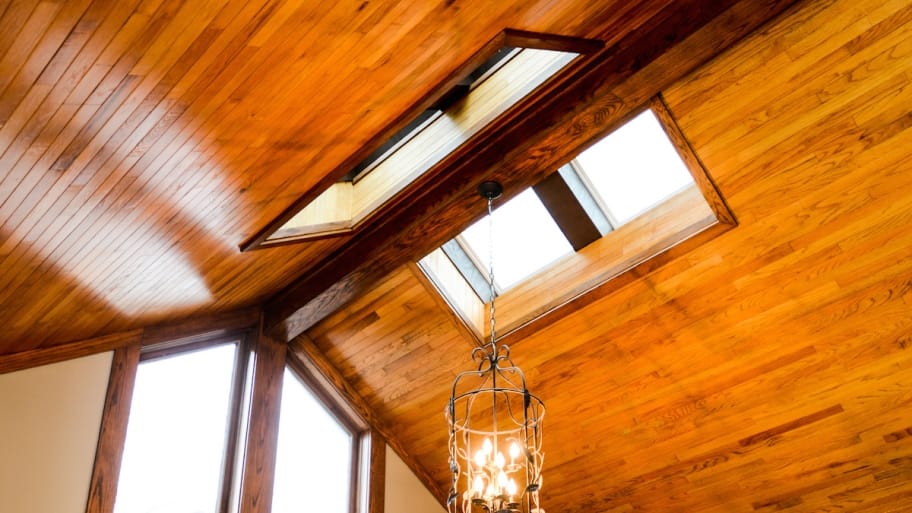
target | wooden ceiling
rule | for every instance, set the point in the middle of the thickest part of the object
(142, 142)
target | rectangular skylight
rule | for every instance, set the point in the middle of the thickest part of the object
(629, 197)
(633, 169)
(526, 239)
(489, 91)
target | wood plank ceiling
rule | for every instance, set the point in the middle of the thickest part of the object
(141, 142)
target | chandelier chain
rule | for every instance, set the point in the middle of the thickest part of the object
(491, 273)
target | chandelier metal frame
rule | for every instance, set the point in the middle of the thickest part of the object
(490, 409)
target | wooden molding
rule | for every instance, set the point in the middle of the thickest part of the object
(472, 334)
(46, 355)
(113, 431)
(200, 328)
(542, 133)
(697, 170)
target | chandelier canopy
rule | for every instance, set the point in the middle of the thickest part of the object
(495, 424)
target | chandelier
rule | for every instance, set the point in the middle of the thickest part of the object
(495, 424)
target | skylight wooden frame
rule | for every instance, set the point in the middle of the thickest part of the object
(329, 195)
(586, 274)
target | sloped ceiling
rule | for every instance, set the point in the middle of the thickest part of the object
(141, 143)
(769, 368)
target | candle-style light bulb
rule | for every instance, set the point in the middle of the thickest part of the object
(478, 485)
(487, 447)
(511, 488)
(514, 451)
(502, 479)
(499, 459)
(480, 458)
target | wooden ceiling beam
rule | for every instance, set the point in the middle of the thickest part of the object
(519, 149)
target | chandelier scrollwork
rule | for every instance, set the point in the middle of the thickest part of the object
(495, 426)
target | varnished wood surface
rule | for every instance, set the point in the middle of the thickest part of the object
(767, 369)
(542, 133)
(113, 430)
(141, 142)
(259, 451)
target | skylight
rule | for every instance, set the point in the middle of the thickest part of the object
(624, 200)
(526, 240)
(491, 83)
(633, 169)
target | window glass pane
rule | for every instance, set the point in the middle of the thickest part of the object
(526, 239)
(314, 460)
(634, 168)
(176, 434)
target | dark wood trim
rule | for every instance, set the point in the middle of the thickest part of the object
(113, 431)
(703, 180)
(46, 355)
(208, 327)
(377, 473)
(258, 470)
(566, 211)
(509, 37)
(327, 393)
(513, 38)
(307, 352)
(518, 149)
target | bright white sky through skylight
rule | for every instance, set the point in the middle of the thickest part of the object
(634, 168)
(175, 441)
(313, 464)
(526, 239)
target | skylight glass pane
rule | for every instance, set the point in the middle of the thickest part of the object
(175, 441)
(314, 461)
(526, 239)
(634, 168)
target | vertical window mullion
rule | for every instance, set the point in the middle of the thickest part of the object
(235, 418)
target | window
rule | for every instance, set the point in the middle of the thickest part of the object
(177, 434)
(527, 240)
(186, 436)
(317, 454)
(631, 195)
(633, 169)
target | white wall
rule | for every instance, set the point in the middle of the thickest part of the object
(404, 492)
(49, 421)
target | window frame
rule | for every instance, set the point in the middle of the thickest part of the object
(252, 379)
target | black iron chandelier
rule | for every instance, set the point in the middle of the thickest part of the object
(495, 424)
